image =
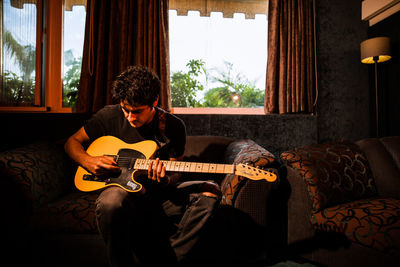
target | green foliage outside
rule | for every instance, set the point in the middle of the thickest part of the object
(71, 79)
(15, 89)
(227, 89)
(20, 89)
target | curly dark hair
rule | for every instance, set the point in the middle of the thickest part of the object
(138, 85)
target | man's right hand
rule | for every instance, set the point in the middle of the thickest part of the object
(97, 165)
(101, 165)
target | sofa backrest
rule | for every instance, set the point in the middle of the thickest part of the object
(209, 149)
(384, 159)
(334, 173)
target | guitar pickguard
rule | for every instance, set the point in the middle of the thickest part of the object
(125, 159)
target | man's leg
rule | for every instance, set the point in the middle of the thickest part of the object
(203, 198)
(133, 228)
(115, 225)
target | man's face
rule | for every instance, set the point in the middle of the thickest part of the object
(137, 116)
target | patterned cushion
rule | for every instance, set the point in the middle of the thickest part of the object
(243, 151)
(74, 213)
(373, 223)
(41, 171)
(335, 173)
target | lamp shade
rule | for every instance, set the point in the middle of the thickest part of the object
(375, 48)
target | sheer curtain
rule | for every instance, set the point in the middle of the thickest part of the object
(19, 67)
(119, 34)
(290, 68)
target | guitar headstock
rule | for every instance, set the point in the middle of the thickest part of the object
(253, 173)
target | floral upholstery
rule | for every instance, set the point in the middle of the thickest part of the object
(40, 172)
(374, 223)
(334, 173)
(247, 152)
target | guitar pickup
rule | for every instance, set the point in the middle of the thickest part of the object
(91, 177)
(94, 178)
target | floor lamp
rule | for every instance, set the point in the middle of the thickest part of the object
(374, 51)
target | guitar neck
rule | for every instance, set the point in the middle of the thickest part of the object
(181, 166)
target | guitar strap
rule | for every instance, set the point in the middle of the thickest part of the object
(161, 139)
(162, 120)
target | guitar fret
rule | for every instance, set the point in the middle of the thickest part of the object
(181, 166)
(212, 168)
(187, 167)
(220, 168)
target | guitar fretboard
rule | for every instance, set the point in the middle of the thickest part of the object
(182, 166)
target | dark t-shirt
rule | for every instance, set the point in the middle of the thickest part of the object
(167, 130)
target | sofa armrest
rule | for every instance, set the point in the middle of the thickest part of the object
(35, 174)
(249, 196)
(299, 208)
(383, 156)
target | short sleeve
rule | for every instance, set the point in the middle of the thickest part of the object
(98, 124)
(176, 132)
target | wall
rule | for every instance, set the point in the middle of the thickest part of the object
(276, 133)
(343, 106)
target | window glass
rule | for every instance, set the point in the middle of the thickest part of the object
(73, 37)
(217, 60)
(18, 52)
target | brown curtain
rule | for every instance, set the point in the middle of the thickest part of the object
(290, 69)
(119, 34)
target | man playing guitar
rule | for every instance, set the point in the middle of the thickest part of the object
(161, 224)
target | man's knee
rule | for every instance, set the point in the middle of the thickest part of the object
(210, 189)
(110, 200)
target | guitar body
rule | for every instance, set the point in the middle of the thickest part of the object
(110, 145)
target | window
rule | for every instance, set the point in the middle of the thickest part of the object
(41, 57)
(218, 55)
(20, 58)
(73, 36)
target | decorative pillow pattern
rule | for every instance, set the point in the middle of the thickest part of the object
(75, 213)
(374, 223)
(335, 173)
(41, 171)
(247, 152)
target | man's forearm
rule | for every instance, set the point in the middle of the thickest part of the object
(76, 151)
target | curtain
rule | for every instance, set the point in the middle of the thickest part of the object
(290, 68)
(119, 34)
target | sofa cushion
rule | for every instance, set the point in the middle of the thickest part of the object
(334, 173)
(73, 213)
(39, 172)
(374, 223)
(384, 159)
(247, 152)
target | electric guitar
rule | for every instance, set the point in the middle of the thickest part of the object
(134, 159)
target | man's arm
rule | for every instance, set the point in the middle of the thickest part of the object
(97, 165)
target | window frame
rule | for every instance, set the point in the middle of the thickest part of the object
(49, 85)
(218, 110)
(215, 111)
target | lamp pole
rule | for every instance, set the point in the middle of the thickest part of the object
(376, 58)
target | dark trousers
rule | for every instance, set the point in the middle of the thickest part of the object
(159, 227)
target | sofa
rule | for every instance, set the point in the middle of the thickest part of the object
(344, 202)
(47, 221)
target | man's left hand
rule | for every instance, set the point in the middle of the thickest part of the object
(157, 171)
